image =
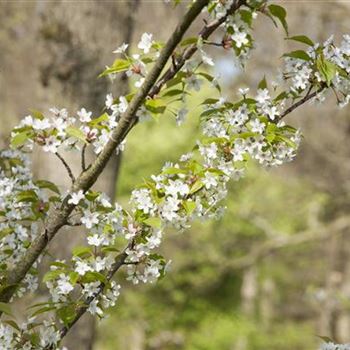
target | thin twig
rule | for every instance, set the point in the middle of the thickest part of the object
(83, 164)
(69, 170)
(306, 98)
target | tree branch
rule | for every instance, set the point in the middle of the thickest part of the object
(83, 161)
(205, 33)
(283, 241)
(306, 98)
(58, 218)
(87, 179)
(69, 170)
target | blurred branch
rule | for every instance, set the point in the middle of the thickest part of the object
(285, 241)
(69, 170)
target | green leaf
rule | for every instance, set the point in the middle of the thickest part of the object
(36, 114)
(206, 76)
(209, 101)
(6, 231)
(119, 65)
(327, 69)
(189, 41)
(13, 324)
(91, 195)
(5, 308)
(27, 196)
(47, 184)
(176, 80)
(263, 84)
(43, 310)
(286, 140)
(153, 222)
(73, 277)
(173, 171)
(189, 206)
(326, 339)
(81, 251)
(281, 96)
(75, 132)
(51, 275)
(92, 276)
(209, 78)
(280, 13)
(60, 264)
(66, 314)
(196, 186)
(302, 55)
(98, 120)
(20, 138)
(247, 17)
(302, 39)
(156, 106)
(174, 92)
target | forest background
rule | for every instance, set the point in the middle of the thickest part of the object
(275, 271)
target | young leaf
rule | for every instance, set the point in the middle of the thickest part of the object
(75, 132)
(196, 186)
(263, 84)
(302, 39)
(189, 41)
(300, 54)
(153, 222)
(5, 308)
(66, 314)
(27, 196)
(20, 138)
(327, 69)
(155, 106)
(280, 13)
(81, 251)
(36, 114)
(189, 206)
(47, 184)
(119, 65)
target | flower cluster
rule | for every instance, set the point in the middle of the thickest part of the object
(333, 346)
(59, 130)
(23, 207)
(320, 65)
(237, 26)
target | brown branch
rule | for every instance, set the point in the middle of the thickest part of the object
(58, 218)
(83, 162)
(282, 241)
(69, 170)
(306, 98)
(205, 33)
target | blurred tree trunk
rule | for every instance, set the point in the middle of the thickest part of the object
(328, 308)
(63, 46)
(343, 317)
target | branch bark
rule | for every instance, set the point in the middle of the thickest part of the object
(306, 98)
